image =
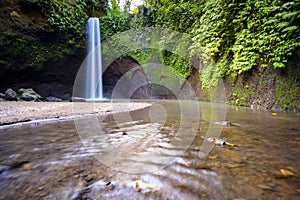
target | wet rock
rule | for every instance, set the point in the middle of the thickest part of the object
(3, 168)
(88, 178)
(232, 165)
(126, 71)
(29, 94)
(109, 186)
(102, 185)
(191, 88)
(52, 99)
(79, 171)
(31, 1)
(11, 95)
(266, 187)
(15, 161)
(77, 99)
(223, 123)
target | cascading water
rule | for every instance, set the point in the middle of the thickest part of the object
(93, 79)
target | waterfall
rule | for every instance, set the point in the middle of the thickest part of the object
(93, 77)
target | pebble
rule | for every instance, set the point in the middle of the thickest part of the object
(109, 186)
(265, 187)
(76, 176)
(3, 168)
(89, 178)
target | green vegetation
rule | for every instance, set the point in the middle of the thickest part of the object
(239, 37)
(244, 33)
(63, 34)
(65, 17)
(115, 21)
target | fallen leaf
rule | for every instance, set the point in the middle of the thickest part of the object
(286, 172)
(274, 114)
(26, 190)
(202, 167)
(40, 188)
(139, 185)
(149, 185)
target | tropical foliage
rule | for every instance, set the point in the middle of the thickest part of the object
(238, 35)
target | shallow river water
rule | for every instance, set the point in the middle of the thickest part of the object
(154, 153)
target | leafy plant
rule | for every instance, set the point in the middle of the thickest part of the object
(238, 36)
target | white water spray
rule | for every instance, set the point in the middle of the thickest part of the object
(93, 78)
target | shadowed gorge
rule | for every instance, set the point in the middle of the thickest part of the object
(149, 99)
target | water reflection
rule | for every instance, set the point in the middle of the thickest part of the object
(51, 161)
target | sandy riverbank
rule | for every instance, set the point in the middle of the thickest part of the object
(14, 112)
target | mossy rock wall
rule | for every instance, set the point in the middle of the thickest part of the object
(267, 88)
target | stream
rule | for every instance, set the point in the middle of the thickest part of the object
(153, 153)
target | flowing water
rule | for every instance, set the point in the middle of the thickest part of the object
(93, 75)
(53, 161)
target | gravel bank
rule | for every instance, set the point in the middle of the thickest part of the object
(14, 112)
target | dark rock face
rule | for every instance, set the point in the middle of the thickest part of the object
(22, 17)
(259, 88)
(55, 79)
(125, 78)
(191, 88)
(23, 21)
(267, 87)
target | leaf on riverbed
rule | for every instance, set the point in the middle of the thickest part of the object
(202, 167)
(274, 114)
(286, 172)
(231, 144)
(139, 185)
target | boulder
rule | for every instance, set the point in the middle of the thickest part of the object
(29, 95)
(53, 99)
(2, 97)
(10, 94)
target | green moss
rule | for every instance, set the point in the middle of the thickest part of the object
(19, 52)
(288, 93)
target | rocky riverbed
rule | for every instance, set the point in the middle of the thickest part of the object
(142, 155)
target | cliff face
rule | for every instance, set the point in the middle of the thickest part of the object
(22, 26)
(268, 88)
(32, 56)
(260, 88)
(56, 78)
(22, 17)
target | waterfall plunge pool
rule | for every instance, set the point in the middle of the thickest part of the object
(53, 161)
